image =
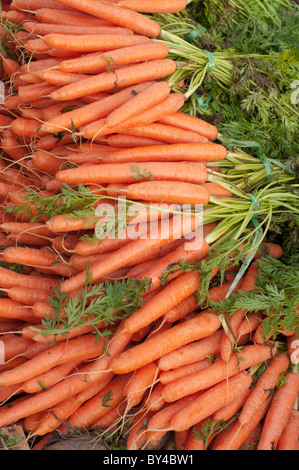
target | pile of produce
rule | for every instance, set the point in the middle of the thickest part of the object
(149, 234)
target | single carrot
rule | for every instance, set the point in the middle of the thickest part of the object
(198, 327)
(155, 400)
(31, 93)
(43, 29)
(154, 6)
(181, 439)
(129, 141)
(167, 134)
(15, 310)
(122, 56)
(171, 152)
(123, 77)
(72, 17)
(117, 15)
(192, 352)
(279, 412)
(129, 173)
(47, 379)
(167, 377)
(264, 387)
(191, 123)
(211, 400)
(10, 278)
(137, 435)
(14, 345)
(229, 410)
(219, 371)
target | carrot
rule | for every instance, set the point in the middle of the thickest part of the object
(111, 396)
(124, 77)
(34, 5)
(210, 401)
(217, 372)
(191, 123)
(250, 323)
(181, 439)
(155, 401)
(47, 379)
(28, 227)
(128, 173)
(31, 93)
(167, 106)
(48, 15)
(43, 29)
(110, 418)
(279, 412)
(154, 6)
(129, 141)
(169, 191)
(289, 436)
(193, 441)
(217, 190)
(57, 77)
(142, 379)
(10, 67)
(92, 111)
(264, 387)
(168, 134)
(122, 56)
(170, 376)
(117, 15)
(125, 255)
(192, 352)
(198, 327)
(229, 410)
(172, 153)
(188, 305)
(65, 408)
(139, 103)
(81, 348)
(9, 392)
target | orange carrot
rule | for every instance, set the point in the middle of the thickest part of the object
(43, 29)
(155, 400)
(15, 310)
(123, 56)
(167, 134)
(170, 376)
(142, 379)
(136, 435)
(123, 77)
(154, 6)
(279, 412)
(129, 173)
(192, 352)
(47, 379)
(198, 327)
(172, 152)
(191, 123)
(10, 278)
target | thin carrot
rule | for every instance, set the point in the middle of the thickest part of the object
(198, 327)
(191, 123)
(117, 15)
(169, 191)
(279, 412)
(129, 141)
(129, 173)
(110, 418)
(14, 345)
(211, 400)
(10, 278)
(155, 400)
(123, 77)
(167, 377)
(43, 29)
(47, 379)
(123, 56)
(172, 152)
(154, 6)
(229, 410)
(192, 352)
(168, 134)
(15, 310)
(48, 15)
(219, 371)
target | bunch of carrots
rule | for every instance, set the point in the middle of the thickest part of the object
(89, 120)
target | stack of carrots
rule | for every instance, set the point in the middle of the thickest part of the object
(91, 106)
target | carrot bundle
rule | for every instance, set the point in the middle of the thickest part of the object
(94, 325)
